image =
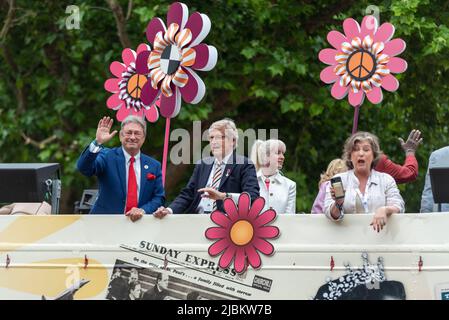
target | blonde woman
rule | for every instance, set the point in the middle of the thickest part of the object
(334, 167)
(278, 191)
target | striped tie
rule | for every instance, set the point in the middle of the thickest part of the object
(216, 181)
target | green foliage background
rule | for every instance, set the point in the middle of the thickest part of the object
(267, 76)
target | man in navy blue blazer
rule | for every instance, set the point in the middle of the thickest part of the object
(216, 178)
(130, 182)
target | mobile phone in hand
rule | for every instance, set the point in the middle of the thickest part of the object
(337, 184)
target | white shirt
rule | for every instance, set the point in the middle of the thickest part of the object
(206, 204)
(381, 190)
(281, 195)
(136, 170)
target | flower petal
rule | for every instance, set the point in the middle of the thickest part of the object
(195, 89)
(156, 76)
(124, 112)
(328, 75)
(117, 68)
(394, 47)
(220, 218)
(206, 57)
(183, 38)
(128, 56)
(347, 48)
(356, 99)
(264, 218)
(240, 260)
(336, 38)
(390, 83)
(149, 94)
(244, 204)
(155, 26)
(111, 85)
(200, 25)
(366, 86)
(230, 209)
(142, 62)
(351, 28)
(253, 257)
(152, 114)
(169, 36)
(154, 60)
(159, 42)
(256, 208)
(114, 102)
(180, 78)
(267, 232)
(170, 106)
(218, 247)
(178, 13)
(397, 65)
(339, 92)
(143, 47)
(327, 56)
(263, 246)
(356, 43)
(384, 33)
(216, 233)
(369, 26)
(377, 47)
(367, 42)
(188, 57)
(375, 96)
(227, 257)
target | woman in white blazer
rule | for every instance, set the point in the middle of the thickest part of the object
(279, 192)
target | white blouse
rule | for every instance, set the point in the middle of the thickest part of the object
(381, 190)
(280, 195)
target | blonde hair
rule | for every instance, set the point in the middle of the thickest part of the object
(334, 167)
(360, 137)
(261, 151)
(227, 127)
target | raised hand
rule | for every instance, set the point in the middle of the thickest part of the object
(413, 141)
(103, 130)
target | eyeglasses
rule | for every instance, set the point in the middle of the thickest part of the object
(137, 134)
(219, 138)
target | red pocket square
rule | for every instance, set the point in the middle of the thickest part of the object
(150, 176)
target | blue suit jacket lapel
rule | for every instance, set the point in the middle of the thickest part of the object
(143, 175)
(121, 169)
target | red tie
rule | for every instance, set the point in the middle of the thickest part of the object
(267, 183)
(131, 199)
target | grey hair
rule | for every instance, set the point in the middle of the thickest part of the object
(261, 151)
(135, 119)
(358, 137)
(227, 127)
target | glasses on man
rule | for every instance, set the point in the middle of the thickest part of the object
(218, 137)
(137, 134)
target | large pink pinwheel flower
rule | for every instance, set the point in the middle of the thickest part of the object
(242, 232)
(127, 87)
(363, 61)
(176, 52)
